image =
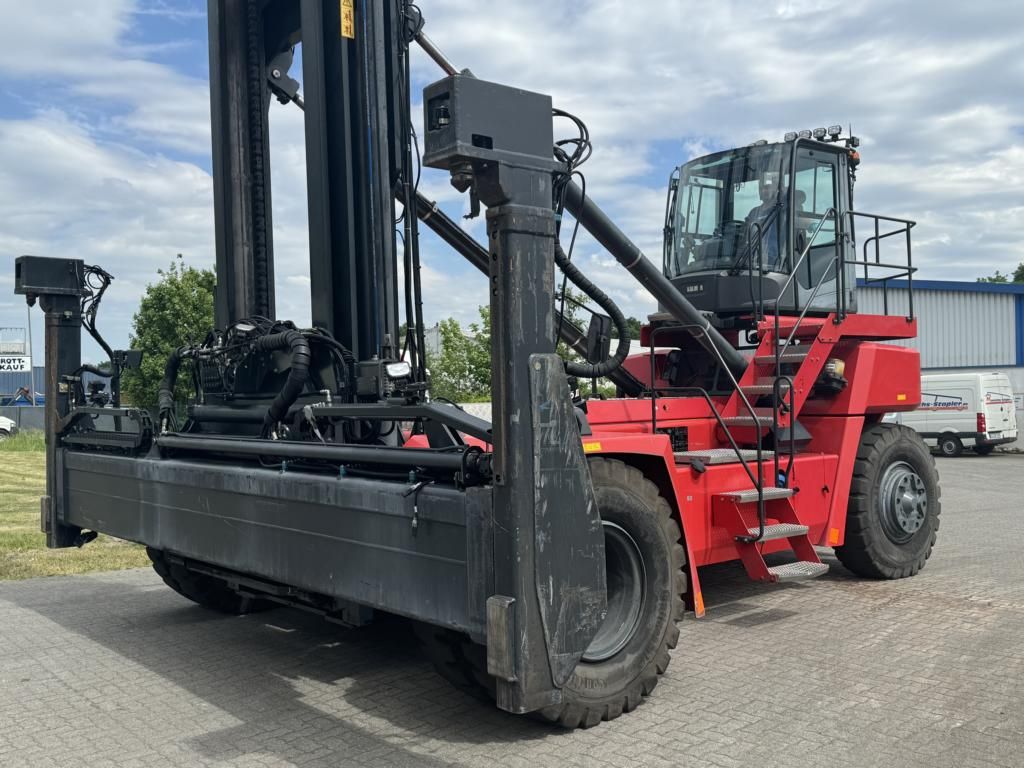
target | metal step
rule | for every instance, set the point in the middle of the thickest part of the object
(747, 421)
(712, 456)
(780, 531)
(798, 571)
(764, 387)
(807, 327)
(791, 355)
(749, 496)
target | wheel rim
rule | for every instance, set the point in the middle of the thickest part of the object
(627, 581)
(948, 447)
(903, 502)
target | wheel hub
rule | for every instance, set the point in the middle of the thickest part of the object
(903, 502)
(626, 577)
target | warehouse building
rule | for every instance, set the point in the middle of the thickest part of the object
(961, 326)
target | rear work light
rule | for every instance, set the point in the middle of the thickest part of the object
(982, 425)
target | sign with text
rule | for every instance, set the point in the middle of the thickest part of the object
(15, 363)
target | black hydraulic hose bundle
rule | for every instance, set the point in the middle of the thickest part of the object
(345, 355)
(581, 281)
(289, 340)
(95, 371)
(297, 375)
(165, 398)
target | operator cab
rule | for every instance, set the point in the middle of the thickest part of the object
(749, 227)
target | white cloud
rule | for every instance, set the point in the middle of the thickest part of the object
(88, 167)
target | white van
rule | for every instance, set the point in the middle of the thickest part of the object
(963, 409)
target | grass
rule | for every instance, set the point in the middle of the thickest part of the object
(23, 442)
(23, 552)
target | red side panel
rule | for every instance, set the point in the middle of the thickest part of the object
(882, 378)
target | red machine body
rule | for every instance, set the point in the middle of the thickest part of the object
(714, 501)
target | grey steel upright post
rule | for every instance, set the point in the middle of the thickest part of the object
(58, 284)
(239, 103)
(548, 596)
(31, 363)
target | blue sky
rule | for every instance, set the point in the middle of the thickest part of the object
(104, 137)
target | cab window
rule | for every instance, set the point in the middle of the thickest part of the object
(815, 193)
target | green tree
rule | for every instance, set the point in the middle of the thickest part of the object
(634, 328)
(175, 310)
(461, 370)
(999, 277)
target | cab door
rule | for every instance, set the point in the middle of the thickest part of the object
(819, 195)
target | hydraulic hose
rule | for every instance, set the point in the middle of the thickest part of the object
(581, 281)
(348, 359)
(165, 399)
(297, 375)
(95, 371)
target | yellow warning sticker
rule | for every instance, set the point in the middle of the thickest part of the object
(348, 19)
(591, 447)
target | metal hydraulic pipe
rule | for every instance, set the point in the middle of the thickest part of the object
(435, 53)
(604, 230)
(343, 454)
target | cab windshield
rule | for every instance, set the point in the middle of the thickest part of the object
(725, 203)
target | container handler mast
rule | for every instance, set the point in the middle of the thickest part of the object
(544, 557)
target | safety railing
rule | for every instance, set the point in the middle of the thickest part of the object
(901, 227)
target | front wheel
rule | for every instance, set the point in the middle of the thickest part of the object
(646, 580)
(205, 590)
(950, 445)
(4, 434)
(893, 514)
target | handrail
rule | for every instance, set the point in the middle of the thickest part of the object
(759, 482)
(810, 243)
(779, 352)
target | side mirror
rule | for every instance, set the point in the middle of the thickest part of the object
(599, 339)
(127, 359)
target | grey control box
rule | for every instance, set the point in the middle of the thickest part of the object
(474, 120)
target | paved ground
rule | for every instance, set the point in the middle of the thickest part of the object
(116, 670)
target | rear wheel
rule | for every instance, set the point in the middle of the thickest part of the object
(893, 514)
(984, 450)
(646, 582)
(950, 445)
(205, 590)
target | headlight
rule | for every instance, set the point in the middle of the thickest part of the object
(399, 370)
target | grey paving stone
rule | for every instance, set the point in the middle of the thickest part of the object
(116, 670)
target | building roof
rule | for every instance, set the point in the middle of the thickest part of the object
(950, 286)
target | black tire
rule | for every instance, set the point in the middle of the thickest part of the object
(893, 513)
(207, 591)
(984, 450)
(4, 434)
(950, 445)
(457, 659)
(602, 689)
